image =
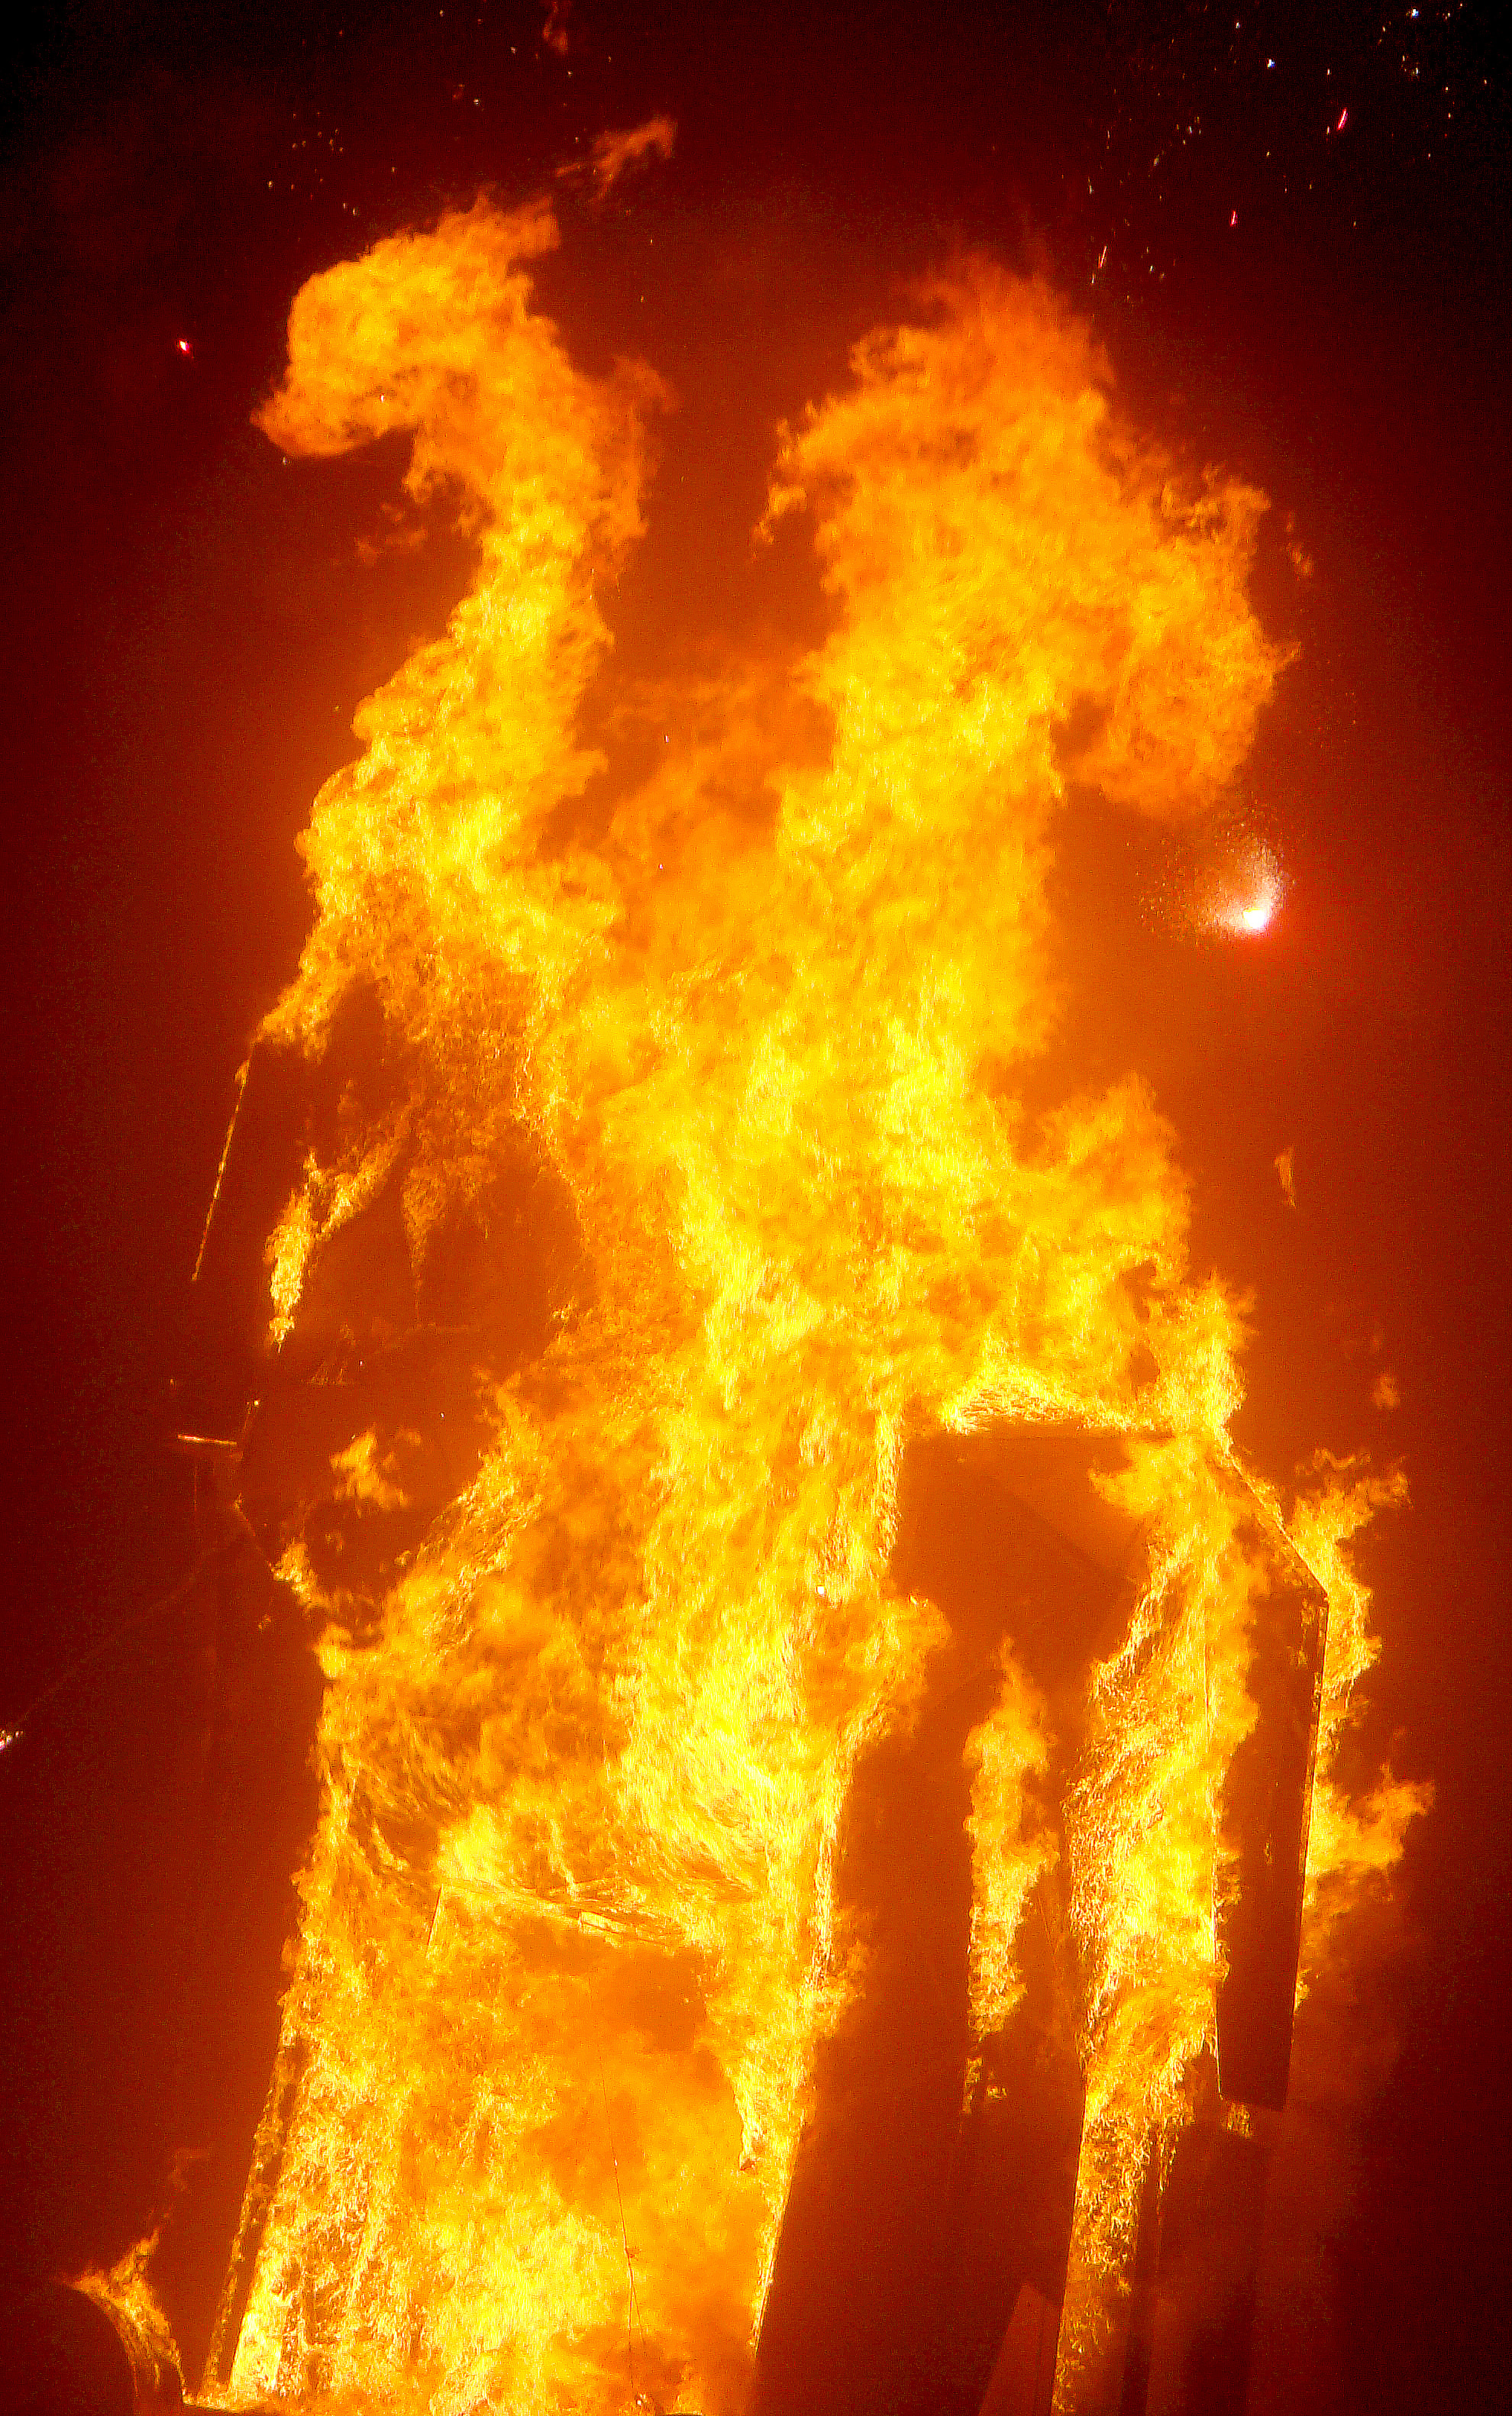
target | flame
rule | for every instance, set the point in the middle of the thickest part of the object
(568, 1932)
(1360, 1837)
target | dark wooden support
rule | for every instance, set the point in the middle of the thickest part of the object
(1266, 1818)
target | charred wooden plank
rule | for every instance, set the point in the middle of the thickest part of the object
(1265, 1817)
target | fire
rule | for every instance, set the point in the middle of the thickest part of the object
(751, 1049)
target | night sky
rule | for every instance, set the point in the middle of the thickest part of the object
(1290, 227)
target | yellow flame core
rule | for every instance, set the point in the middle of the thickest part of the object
(567, 1936)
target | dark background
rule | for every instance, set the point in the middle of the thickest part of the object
(189, 625)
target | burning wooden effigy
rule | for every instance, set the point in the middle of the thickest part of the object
(818, 1723)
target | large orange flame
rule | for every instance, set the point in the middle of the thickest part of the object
(568, 1937)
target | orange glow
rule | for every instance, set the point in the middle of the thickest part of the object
(568, 1937)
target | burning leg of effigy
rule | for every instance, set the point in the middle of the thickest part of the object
(1162, 1931)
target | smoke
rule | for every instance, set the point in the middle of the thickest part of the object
(615, 154)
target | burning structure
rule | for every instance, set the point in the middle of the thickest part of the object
(695, 1391)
